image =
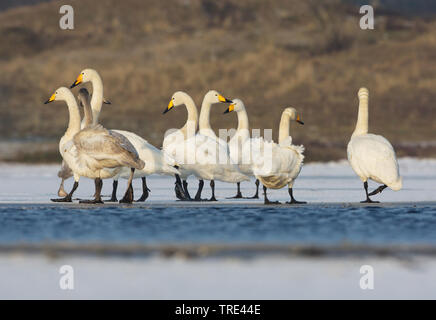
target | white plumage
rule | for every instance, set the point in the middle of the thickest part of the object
(372, 156)
(277, 165)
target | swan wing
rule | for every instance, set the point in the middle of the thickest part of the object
(106, 149)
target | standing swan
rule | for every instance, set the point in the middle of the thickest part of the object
(155, 160)
(201, 155)
(241, 136)
(93, 152)
(372, 156)
(277, 165)
(229, 170)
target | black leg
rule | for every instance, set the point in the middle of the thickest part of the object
(378, 190)
(186, 192)
(178, 188)
(256, 195)
(114, 192)
(238, 192)
(69, 196)
(266, 200)
(368, 200)
(212, 186)
(293, 201)
(97, 195)
(128, 196)
(145, 191)
(200, 189)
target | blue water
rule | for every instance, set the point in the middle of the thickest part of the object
(312, 224)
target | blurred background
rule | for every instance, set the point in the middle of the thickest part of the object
(272, 54)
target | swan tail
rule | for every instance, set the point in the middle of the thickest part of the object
(397, 185)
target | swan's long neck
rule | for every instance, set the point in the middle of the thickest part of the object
(74, 121)
(190, 127)
(242, 120)
(87, 117)
(284, 127)
(362, 118)
(204, 123)
(97, 97)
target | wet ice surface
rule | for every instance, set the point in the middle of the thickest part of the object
(332, 216)
(311, 224)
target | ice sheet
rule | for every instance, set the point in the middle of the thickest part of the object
(318, 182)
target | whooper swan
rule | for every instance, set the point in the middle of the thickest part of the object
(277, 165)
(241, 136)
(372, 156)
(93, 152)
(156, 161)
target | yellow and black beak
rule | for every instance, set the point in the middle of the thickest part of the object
(224, 100)
(299, 120)
(170, 106)
(78, 81)
(52, 98)
(105, 101)
(230, 109)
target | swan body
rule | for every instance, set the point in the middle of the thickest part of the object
(236, 143)
(372, 156)
(222, 167)
(277, 165)
(156, 161)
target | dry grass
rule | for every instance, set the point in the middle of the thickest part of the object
(271, 54)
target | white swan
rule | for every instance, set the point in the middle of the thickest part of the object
(241, 136)
(93, 152)
(277, 165)
(156, 161)
(372, 156)
(198, 154)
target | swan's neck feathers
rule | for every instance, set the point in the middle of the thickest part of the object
(284, 128)
(190, 127)
(204, 124)
(362, 118)
(97, 97)
(74, 121)
(87, 115)
(243, 120)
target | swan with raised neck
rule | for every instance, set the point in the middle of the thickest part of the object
(65, 94)
(209, 99)
(90, 75)
(287, 115)
(181, 98)
(362, 118)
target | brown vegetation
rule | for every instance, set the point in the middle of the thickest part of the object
(272, 54)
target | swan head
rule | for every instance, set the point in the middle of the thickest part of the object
(61, 94)
(177, 99)
(214, 96)
(293, 115)
(237, 105)
(85, 75)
